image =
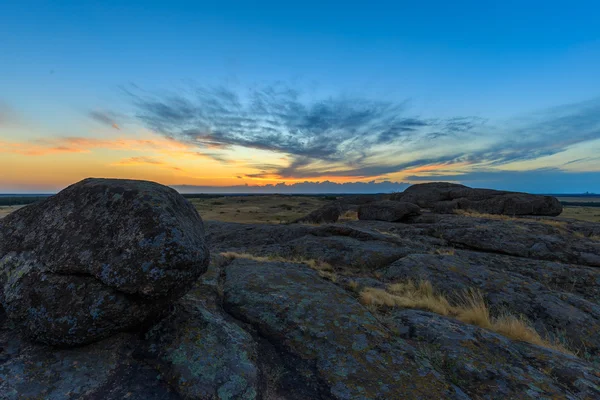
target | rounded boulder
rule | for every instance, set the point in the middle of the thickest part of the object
(101, 256)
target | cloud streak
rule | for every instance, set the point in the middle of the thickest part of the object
(356, 137)
(307, 187)
(343, 130)
(105, 118)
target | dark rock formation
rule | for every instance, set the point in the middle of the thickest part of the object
(352, 354)
(388, 210)
(203, 355)
(328, 213)
(99, 257)
(296, 329)
(446, 197)
(102, 370)
(473, 358)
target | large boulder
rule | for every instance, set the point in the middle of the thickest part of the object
(445, 197)
(102, 256)
(388, 210)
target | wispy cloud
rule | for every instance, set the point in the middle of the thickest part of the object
(141, 161)
(40, 147)
(343, 130)
(105, 117)
(301, 188)
(357, 137)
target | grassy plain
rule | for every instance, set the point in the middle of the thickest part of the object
(275, 209)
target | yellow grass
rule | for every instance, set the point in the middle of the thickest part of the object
(449, 251)
(471, 309)
(476, 214)
(590, 214)
(349, 216)
(271, 209)
(324, 269)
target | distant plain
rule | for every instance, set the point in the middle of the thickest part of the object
(276, 209)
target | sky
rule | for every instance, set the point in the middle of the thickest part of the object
(313, 96)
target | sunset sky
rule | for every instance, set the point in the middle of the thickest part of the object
(264, 93)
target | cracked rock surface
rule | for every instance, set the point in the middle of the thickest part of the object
(267, 324)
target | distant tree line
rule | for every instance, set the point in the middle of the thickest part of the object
(19, 200)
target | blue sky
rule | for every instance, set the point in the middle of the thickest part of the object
(521, 77)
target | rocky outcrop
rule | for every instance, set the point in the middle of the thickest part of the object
(203, 355)
(445, 197)
(102, 370)
(473, 358)
(557, 298)
(350, 353)
(387, 210)
(299, 327)
(100, 257)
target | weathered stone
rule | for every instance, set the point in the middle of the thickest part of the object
(103, 370)
(353, 355)
(546, 293)
(487, 365)
(102, 256)
(446, 197)
(387, 210)
(201, 354)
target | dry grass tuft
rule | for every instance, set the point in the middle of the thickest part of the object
(324, 269)
(471, 309)
(554, 223)
(476, 214)
(448, 251)
(349, 216)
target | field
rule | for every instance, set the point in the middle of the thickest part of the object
(276, 209)
(590, 214)
(257, 209)
(5, 210)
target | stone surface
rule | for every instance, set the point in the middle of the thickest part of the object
(546, 293)
(353, 355)
(328, 213)
(488, 365)
(202, 355)
(387, 210)
(281, 330)
(446, 197)
(99, 257)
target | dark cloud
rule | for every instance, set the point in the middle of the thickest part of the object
(278, 118)
(300, 188)
(356, 137)
(105, 117)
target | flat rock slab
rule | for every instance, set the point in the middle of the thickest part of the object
(504, 281)
(101, 256)
(487, 365)
(353, 355)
